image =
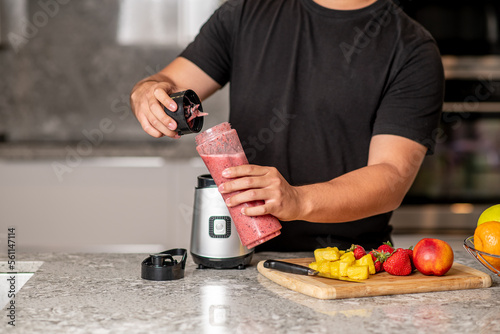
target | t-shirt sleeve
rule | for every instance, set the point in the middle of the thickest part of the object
(411, 107)
(211, 49)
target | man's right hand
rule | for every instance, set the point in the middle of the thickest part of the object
(147, 100)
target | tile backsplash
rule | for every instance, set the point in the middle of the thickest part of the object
(67, 65)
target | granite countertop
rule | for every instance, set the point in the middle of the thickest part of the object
(103, 293)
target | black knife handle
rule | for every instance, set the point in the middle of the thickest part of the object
(289, 267)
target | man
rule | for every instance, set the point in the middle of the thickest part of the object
(335, 102)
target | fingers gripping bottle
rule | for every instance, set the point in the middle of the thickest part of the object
(220, 148)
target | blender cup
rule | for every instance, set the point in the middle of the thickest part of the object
(220, 148)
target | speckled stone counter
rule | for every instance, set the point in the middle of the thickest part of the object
(103, 293)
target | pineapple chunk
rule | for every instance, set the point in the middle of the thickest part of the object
(368, 261)
(327, 254)
(313, 265)
(346, 261)
(335, 268)
(342, 252)
(348, 257)
(343, 266)
(324, 267)
(358, 272)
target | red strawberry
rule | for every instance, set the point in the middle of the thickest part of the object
(386, 247)
(375, 255)
(409, 251)
(398, 263)
(378, 259)
(358, 251)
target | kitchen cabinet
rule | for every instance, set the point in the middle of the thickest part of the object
(116, 204)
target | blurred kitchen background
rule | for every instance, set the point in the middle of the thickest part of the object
(77, 172)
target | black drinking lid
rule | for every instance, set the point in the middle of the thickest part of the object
(163, 267)
(186, 101)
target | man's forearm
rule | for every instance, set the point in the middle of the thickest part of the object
(359, 194)
(393, 163)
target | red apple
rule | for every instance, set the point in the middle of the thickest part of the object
(432, 257)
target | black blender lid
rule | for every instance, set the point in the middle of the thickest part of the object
(163, 267)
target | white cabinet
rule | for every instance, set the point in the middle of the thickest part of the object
(122, 204)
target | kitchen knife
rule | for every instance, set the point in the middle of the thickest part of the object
(293, 268)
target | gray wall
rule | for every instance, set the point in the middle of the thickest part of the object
(67, 64)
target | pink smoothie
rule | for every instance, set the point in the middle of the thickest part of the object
(253, 231)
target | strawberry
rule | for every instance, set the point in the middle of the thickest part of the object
(374, 255)
(409, 251)
(358, 251)
(398, 263)
(378, 259)
(386, 247)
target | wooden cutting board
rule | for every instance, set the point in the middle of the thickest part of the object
(460, 277)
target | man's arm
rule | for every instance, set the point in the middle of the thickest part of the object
(379, 187)
(149, 94)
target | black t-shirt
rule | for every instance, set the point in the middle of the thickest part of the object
(310, 86)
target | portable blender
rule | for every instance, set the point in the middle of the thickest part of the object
(214, 240)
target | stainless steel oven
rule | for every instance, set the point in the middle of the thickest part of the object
(462, 178)
(461, 27)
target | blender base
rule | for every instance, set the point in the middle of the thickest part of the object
(239, 262)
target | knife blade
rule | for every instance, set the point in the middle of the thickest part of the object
(293, 268)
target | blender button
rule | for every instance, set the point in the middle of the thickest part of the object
(220, 227)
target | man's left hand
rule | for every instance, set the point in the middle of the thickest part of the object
(266, 184)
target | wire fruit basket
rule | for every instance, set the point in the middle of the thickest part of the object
(479, 255)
